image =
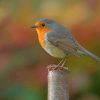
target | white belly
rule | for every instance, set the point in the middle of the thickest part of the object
(54, 51)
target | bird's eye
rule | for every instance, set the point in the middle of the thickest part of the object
(43, 24)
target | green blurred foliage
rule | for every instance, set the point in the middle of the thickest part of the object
(23, 75)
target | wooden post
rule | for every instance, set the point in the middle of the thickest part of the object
(58, 84)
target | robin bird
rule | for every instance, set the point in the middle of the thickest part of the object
(58, 41)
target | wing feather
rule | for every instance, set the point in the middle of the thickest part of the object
(62, 42)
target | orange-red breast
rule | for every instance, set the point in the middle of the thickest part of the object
(58, 41)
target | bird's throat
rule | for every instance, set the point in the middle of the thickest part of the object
(41, 35)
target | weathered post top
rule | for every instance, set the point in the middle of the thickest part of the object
(58, 84)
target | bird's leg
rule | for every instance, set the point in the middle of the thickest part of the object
(54, 67)
(61, 64)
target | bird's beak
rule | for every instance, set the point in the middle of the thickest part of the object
(34, 26)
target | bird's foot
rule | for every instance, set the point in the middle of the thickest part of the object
(55, 67)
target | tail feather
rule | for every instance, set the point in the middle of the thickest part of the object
(86, 52)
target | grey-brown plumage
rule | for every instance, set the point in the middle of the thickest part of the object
(59, 41)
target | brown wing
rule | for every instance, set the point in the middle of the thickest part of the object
(63, 44)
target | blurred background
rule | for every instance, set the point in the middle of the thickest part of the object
(23, 72)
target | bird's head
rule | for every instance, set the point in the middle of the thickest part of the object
(44, 25)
